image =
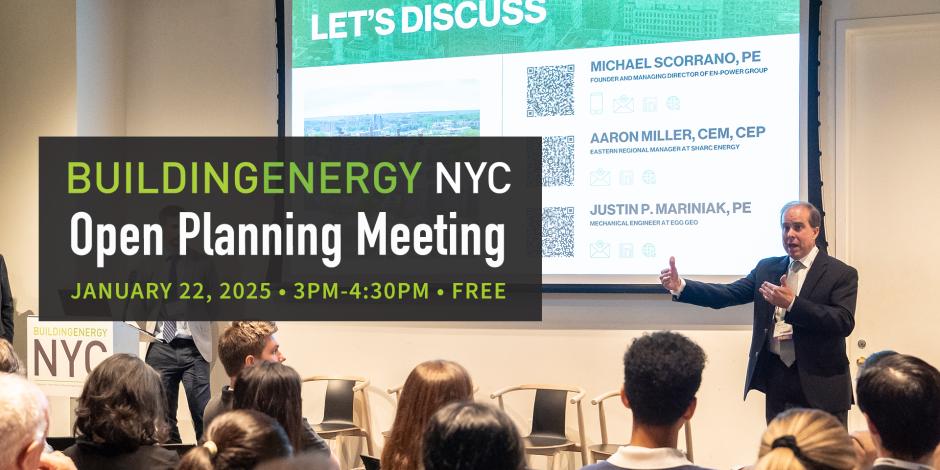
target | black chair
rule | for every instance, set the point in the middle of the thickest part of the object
(370, 463)
(60, 443)
(548, 435)
(338, 408)
(605, 449)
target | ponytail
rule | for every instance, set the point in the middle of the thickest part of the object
(780, 458)
(199, 458)
(238, 439)
(804, 439)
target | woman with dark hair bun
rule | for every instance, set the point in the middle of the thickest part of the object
(120, 418)
(238, 440)
(471, 436)
(274, 389)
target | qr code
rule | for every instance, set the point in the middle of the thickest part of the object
(558, 160)
(558, 232)
(550, 91)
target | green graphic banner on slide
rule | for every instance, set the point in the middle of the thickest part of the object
(339, 32)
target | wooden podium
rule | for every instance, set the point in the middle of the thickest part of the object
(61, 354)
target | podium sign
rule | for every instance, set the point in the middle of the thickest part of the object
(64, 352)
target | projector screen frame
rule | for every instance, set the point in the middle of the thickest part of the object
(810, 152)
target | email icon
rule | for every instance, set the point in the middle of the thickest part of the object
(623, 104)
(600, 249)
(600, 177)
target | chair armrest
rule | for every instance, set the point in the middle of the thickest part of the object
(504, 391)
(394, 390)
(361, 385)
(577, 398)
(604, 396)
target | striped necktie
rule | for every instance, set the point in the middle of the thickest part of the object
(169, 326)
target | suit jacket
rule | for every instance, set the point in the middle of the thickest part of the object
(823, 315)
(192, 267)
(6, 303)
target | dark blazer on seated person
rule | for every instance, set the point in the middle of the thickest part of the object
(6, 303)
(823, 315)
(89, 455)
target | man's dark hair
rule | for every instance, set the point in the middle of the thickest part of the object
(815, 218)
(468, 435)
(901, 396)
(662, 372)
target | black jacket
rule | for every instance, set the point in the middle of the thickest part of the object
(6, 303)
(88, 455)
(823, 315)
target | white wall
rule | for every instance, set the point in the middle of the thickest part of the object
(100, 70)
(207, 68)
(37, 98)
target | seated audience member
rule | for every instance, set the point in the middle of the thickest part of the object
(9, 362)
(470, 436)
(429, 386)
(238, 440)
(900, 398)
(864, 446)
(242, 344)
(121, 417)
(274, 389)
(805, 439)
(662, 373)
(309, 461)
(24, 421)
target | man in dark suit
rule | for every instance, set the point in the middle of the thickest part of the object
(6, 303)
(804, 308)
(900, 397)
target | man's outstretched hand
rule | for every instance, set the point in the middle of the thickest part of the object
(669, 277)
(780, 296)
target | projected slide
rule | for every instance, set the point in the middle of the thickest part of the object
(669, 127)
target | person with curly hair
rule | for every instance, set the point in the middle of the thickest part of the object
(121, 417)
(662, 373)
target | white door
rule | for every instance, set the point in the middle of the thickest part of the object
(887, 175)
